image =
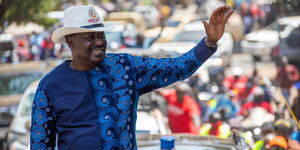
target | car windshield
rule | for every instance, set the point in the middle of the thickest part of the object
(6, 45)
(293, 40)
(113, 38)
(276, 27)
(189, 36)
(16, 83)
(172, 23)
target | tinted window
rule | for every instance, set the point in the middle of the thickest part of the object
(293, 40)
(276, 27)
(16, 83)
(6, 46)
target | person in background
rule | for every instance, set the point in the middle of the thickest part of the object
(257, 101)
(267, 133)
(182, 108)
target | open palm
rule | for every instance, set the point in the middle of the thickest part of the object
(215, 28)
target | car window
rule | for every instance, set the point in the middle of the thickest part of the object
(6, 45)
(276, 27)
(172, 23)
(16, 83)
(114, 39)
(189, 36)
(25, 108)
(293, 40)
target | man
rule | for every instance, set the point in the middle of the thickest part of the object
(182, 108)
(90, 102)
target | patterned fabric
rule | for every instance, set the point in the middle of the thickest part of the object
(115, 86)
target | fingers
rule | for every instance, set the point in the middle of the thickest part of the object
(219, 10)
(205, 25)
(228, 15)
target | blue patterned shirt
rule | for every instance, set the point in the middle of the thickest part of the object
(97, 109)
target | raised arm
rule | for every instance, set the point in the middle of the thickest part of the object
(43, 130)
(154, 73)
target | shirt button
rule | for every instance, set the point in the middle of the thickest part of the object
(130, 82)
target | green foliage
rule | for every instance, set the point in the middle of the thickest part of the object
(23, 11)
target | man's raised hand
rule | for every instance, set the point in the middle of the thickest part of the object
(215, 28)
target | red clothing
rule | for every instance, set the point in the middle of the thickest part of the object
(238, 86)
(287, 75)
(180, 114)
(249, 105)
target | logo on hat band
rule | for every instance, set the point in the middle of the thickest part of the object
(93, 16)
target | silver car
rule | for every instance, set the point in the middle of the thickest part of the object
(260, 43)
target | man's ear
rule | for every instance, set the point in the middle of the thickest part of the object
(70, 41)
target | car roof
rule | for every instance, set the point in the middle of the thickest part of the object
(27, 67)
(293, 20)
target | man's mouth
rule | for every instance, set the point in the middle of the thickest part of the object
(98, 51)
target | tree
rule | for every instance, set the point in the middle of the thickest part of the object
(23, 11)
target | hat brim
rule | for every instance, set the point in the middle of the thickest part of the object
(58, 36)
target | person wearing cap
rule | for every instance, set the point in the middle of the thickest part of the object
(90, 102)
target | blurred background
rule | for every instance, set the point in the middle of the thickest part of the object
(246, 96)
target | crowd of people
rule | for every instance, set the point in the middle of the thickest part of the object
(241, 103)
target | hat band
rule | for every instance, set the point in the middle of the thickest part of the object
(92, 26)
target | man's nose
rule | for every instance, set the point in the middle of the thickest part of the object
(99, 41)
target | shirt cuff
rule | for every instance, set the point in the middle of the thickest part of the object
(203, 52)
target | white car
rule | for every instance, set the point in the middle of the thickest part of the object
(261, 43)
(190, 36)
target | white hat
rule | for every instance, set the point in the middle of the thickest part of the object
(79, 19)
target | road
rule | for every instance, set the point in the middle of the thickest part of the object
(246, 63)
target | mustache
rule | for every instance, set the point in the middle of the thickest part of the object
(103, 47)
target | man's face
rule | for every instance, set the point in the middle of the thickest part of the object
(88, 47)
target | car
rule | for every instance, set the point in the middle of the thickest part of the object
(14, 79)
(261, 43)
(190, 142)
(131, 17)
(191, 34)
(173, 26)
(124, 35)
(151, 14)
(289, 46)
